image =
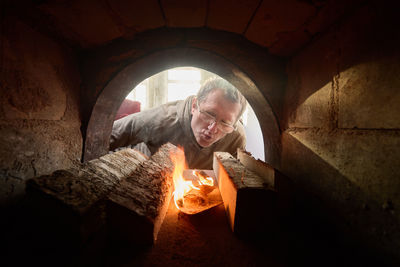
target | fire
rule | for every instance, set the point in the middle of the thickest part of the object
(203, 178)
(184, 187)
(181, 186)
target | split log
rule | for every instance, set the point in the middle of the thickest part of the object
(137, 207)
(274, 178)
(249, 200)
(72, 200)
(261, 168)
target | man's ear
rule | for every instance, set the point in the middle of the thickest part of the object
(194, 104)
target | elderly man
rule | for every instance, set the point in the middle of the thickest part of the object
(200, 124)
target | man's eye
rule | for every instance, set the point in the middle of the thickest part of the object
(210, 114)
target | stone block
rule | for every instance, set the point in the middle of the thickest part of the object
(221, 12)
(181, 13)
(86, 22)
(363, 89)
(139, 15)
(274, 17)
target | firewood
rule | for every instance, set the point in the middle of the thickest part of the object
(72, 200)
(273, 178)
(261, 168)
(137, 207)
(249, 200)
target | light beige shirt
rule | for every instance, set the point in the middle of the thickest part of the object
(171, 123)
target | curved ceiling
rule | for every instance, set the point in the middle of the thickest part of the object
(281, 26)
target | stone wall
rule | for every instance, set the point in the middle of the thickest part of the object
(341, 135)
(39, 118)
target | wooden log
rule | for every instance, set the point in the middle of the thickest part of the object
(72, 201)
(274, 178)
(137, 207)
(249, 200)
(261, 168)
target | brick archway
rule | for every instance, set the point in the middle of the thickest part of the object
(113, 93)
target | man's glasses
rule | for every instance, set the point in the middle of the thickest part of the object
(210, 119)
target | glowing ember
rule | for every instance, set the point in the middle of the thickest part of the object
(195, 194)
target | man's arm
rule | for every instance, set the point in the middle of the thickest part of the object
(127, 131)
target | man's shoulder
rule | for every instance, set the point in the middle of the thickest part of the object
(238, 134)
(235, 139)
(240, 130)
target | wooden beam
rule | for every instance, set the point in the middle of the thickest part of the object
(249, 200)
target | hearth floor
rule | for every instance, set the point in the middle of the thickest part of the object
(204, 239)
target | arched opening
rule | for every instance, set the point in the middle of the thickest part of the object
(109, 100)
(178, 84)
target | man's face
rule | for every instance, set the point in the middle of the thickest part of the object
(223, 110)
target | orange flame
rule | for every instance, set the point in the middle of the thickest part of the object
(182, 186)
(203, 179)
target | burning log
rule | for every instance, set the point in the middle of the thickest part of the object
(194, 190)
(249, 200)
(203, 193)
(71, 201)
(137, 207)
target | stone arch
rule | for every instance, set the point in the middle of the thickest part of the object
(109, 100)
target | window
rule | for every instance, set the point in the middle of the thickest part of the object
(182, 82)
(139, 93)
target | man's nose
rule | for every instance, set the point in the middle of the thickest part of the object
(213, 127)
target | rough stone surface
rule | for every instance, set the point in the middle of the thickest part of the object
(39, 118)
(221, 12)
(342, 141)
(313, 87)
(27, 71)
(274, 17)
(369, 95)
(90, 20)
(329, 12)
(181, 13)
(283, 26)
(368, 86)
(31, 149)
(314, 111)
(138, 16)
(289, 43)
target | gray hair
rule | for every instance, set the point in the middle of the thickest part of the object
(231, 93)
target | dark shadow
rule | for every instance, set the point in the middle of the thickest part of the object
(357, 39)
(322, 220)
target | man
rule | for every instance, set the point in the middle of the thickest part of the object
(200, 124)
